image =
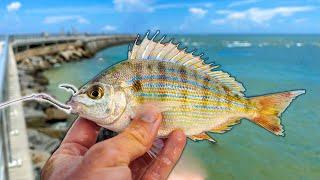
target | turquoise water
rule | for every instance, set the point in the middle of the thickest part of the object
(264, 64)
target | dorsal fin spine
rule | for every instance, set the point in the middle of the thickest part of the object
(181, 51)
(156, 34)
(173, 58)
(170, 50)
(160, 42)
(145, 49)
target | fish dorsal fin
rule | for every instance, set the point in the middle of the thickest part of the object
(149, 49)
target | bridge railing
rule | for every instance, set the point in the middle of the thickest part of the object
(4, 144)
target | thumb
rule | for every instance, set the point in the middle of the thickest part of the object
(133, 142)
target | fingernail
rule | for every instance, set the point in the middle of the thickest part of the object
(149, 116)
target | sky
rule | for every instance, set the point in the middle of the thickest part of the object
(168, 16)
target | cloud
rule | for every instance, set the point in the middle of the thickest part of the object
(198, 12)
(109, 28)
(61, 19)
(133, 5)
(259, 15)
(149, 6)
(243, 2)
(182, 5)
(14, 6)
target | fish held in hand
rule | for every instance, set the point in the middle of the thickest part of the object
(192, 95)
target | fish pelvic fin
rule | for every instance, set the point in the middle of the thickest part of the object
(270, 107)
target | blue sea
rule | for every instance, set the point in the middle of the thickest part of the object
(264, 64)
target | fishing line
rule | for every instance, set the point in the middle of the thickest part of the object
(69, 87)
(39, 97)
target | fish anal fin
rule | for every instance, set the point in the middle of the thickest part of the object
(202, 136)
(224, 127)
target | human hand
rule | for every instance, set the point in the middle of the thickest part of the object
(121, 157)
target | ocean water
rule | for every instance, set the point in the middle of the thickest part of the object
(264, 64)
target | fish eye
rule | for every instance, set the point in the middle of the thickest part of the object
(95, 92)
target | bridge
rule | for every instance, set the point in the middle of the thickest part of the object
(15, 160)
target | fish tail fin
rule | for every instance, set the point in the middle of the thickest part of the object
(269, 109)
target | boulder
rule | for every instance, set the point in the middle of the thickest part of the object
(66, 55)
(39, 158)
(42, 142)
(32, 114)
(54, 114)
(43, 65)
(51, 59)
(41, 79)
(54, 133)
(27, 91)
(26, 65)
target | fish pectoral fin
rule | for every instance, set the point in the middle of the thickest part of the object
(202, 136)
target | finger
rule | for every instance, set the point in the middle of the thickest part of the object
(133, 142)
(168, 157)
(83, 132)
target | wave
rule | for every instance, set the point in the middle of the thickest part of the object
(234, 44)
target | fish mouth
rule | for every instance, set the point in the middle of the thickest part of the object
(75, 108)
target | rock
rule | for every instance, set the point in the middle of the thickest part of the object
(39, 88)
(66, 55)
(54, 114)
(43, 65)
(39, 158)
(32, 114)
(28, 91)
(26, 65)
(51, 60)
(41, 79)
(26, 81)
(42, 142)
(54, 133)
(39, 63)
(35, 60)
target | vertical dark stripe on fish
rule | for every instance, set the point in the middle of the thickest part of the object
(183, 74)
(204, 88)
(227, 94)
(161, 68)
(183, 77)
(137, 86)
(162, 72)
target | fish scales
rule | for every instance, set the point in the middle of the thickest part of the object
(199, 97)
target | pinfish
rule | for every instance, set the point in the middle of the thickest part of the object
(192, 95)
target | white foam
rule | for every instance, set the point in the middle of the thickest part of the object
(195, 44)
(234, 44)
(263, 44)
(298, 44)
